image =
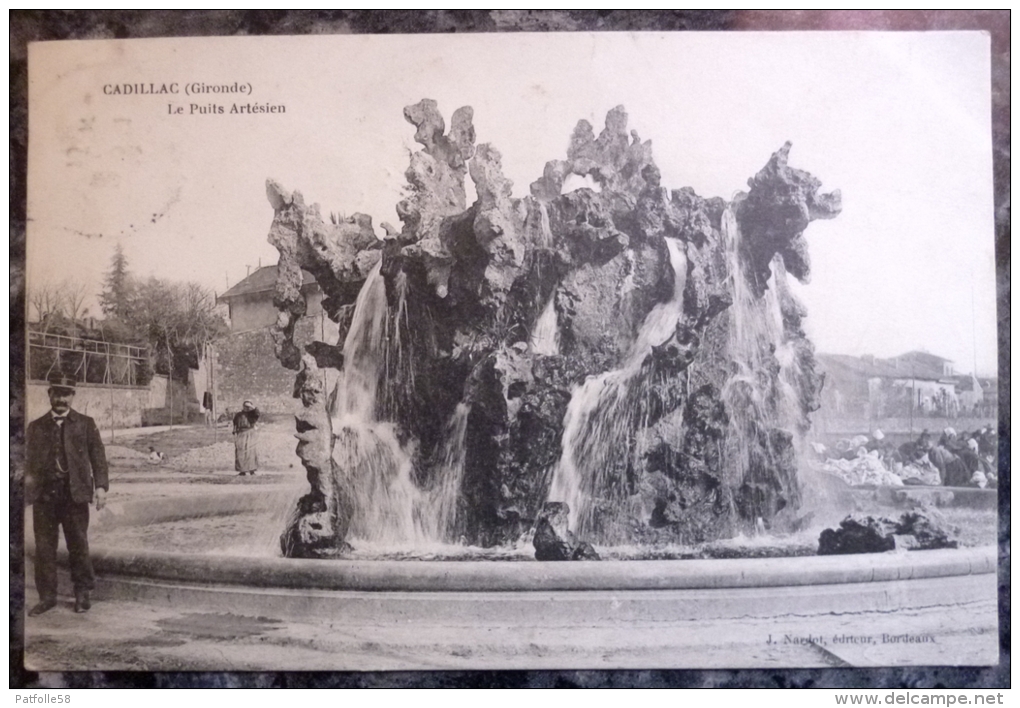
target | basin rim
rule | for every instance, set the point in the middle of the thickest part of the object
(482, 576)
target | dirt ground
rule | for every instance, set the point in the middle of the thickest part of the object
(202, 450)
(198, 461)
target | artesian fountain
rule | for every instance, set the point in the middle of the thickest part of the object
(620, 360)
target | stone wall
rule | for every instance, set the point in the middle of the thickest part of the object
(250, 313)
(247, 368)
(117, 407)
(255, 311)
(181, 399)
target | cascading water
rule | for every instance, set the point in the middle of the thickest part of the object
(399, 353)
(599, 417)
(545, 339)
(375, 472)
(545, 228)
(439, 514)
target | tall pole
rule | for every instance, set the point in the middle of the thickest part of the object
(109, 382)
(973, 330)
(912, 397)
(170, 381)
(212, 391)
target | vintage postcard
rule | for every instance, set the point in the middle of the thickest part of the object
(515, 351)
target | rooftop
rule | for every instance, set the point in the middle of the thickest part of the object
(916, 364)
(262, 280)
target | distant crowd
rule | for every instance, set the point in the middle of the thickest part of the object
(955, 460)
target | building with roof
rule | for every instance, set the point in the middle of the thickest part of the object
(916, 384)
(250, 302)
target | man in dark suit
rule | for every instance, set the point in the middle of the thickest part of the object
(65, 471)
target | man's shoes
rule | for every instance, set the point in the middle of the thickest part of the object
(44, 606)
(82, 601)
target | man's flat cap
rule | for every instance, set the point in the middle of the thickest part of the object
(59, 379)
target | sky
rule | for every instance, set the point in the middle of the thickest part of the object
(900, 123)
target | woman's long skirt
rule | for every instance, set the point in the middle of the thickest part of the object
(246, 451)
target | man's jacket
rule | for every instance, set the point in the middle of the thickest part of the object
(86, 457)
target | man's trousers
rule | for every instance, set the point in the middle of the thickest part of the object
(54, 509)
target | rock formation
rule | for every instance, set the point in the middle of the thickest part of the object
(554, 540)
(920, 529)
(629, 351)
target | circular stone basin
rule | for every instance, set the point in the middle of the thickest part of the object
(356, 614)
(257, 561)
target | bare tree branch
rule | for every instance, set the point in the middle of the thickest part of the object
(72, 294)
(44, 304)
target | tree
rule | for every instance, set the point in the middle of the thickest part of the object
(73, 293)
(118, 287)
(58, 308)
(44, 304)
(177, 319)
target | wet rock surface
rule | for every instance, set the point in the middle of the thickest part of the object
(690, 433)
(318, 526)
(339, 256)
(553, 539)
(782, 201)
(929, 528)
